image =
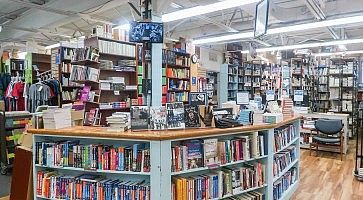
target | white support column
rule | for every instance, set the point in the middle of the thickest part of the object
(165, 179)
(155, 177)
(270, 160)
(156, 70)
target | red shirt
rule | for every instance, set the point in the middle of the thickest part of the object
(17, 93)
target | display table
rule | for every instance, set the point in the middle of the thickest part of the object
(161, 177)
(307, 129)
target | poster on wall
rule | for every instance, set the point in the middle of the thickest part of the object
(298, 95)
(198, 98)
(285, 85)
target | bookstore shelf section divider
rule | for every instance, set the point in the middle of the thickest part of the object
(250, 162)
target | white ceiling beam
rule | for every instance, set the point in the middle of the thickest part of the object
(220, 25)
(320, 15)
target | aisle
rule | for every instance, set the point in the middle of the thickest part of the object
(327, 178)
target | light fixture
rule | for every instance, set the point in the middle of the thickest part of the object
(52, 46)
(309, 45)
(201, 10)
(300, 27)
(175, 5)
(338, 53)
(123, 27)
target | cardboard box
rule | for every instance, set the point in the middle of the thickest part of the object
(2, 105)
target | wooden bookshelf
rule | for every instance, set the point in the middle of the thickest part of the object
(176, 76)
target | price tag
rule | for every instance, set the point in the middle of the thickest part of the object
(116, 92)
(40, 88)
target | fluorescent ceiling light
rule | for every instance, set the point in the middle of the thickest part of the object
(300, 27)
(123, 27)
(201, 10)
(309, 45)
(338, 53)
(175, 5)
(52, 46)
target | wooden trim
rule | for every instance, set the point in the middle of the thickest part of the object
(101, 132)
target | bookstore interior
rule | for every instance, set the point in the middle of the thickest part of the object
(181, 100)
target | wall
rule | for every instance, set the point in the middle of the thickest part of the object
(210, 59)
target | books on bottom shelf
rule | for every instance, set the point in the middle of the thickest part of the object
(211, 153)
(282, 185)
(51, 185)
(93, 157)
(219, 184)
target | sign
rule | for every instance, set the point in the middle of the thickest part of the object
(270, 95)
(299, 95)
(243, 98)
(198, 98)
(262, 11)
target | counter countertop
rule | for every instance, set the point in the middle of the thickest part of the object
(101, 132)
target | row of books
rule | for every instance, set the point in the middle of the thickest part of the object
(179, 85)
(219, 184)
(52, 185)
(81, 73)
(93, 157)
(283, 159)
(177, 73)
(70, 95)
(117, 48)
(177, 96)
(284, 136)
(87, 53)
(171, 57)
(211, 152)
(283, 184)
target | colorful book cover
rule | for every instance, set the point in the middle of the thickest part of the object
(139, 117)
(191, 116)
(158, 117)
(175, 115)
(195, 153)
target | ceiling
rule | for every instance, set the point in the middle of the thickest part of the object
(45, 22)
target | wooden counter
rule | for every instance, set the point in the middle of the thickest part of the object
(101, 132)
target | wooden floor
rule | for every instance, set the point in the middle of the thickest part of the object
(325, 177)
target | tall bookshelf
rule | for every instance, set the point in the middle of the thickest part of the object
(160, 175)
(302, 79)
(322, 86)
(343, 89)
(118, 60)
(176, 76)
(252, 77)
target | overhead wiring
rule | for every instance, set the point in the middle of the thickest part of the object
(96, 9)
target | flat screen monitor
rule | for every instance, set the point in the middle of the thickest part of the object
(261, 19)
(146, 32)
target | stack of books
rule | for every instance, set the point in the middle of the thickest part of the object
(50, 117)
(287, 108)
(52, 185)
(119, 121)
(220, 184)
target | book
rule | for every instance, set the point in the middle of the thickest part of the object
(210, 152)
(194, 154)
(139, 117)
(191, 116)
(175, 115)
(158, 117)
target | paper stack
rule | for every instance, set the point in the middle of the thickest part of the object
(57, 118)
(119, 121)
